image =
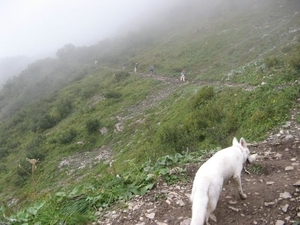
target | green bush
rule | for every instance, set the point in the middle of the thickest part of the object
(272, 61)
(204, 95)
(295, 62)
(23, 172)
(43, 123)
(92, 125)
(174, 137)
(112, 95)
(68, 136)
(36, 154)
(121, 76)
(3, 153)
(64, 108)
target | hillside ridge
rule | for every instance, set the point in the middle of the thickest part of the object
(117, 147)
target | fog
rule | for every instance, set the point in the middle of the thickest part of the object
(36, 27)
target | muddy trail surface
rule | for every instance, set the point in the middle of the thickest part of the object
(176, 81)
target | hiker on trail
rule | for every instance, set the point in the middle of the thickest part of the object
(151, 70)
(123, 66)
(135, 67)
(182, 78)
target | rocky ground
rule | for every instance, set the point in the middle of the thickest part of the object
(273, 189)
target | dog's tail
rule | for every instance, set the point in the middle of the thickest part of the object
(200, 199)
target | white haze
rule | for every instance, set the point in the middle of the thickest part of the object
(39, 27)
(35, 29)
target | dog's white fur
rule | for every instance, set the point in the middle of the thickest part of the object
(208, 183)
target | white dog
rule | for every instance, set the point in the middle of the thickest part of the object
(208, 183)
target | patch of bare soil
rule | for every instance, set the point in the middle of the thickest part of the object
(273, 190)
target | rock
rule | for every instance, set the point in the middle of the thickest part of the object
(269, 203)
(150, 216)
(232, 202)
(180, 202)
(297, 184)
(289, 136)
(287, 125)
(234, 209)
(285, 195)
(150, 210)
(285, 207)
(287, 218)
(118, 127)
(168, 202)
(270, 182)
(103, 130)
(289, 168)
(279, 222)
(186, 222)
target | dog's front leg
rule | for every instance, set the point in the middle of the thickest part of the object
(238, 183)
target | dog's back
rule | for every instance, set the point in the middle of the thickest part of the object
(209, 180)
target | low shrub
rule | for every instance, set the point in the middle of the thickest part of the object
(112, 95)
(121, 76)
(68, 136)
(92, 125)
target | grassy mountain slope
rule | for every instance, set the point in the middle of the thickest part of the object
(87, 123)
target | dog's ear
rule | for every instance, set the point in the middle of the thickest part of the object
(243, 143)
(235, 141)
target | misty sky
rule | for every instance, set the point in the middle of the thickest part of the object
(33, 27)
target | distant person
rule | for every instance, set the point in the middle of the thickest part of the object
(96, 62)
(151, 70)
(123, 66)
(182, 78)
(135, 67)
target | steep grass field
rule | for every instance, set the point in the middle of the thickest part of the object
(76, 136)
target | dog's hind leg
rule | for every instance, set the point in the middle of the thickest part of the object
(238, 183)
(213, 195)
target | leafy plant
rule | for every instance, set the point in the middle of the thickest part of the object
(255, 168)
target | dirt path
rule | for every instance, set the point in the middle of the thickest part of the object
(156, 98)
(176, 81)
(273, 196)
